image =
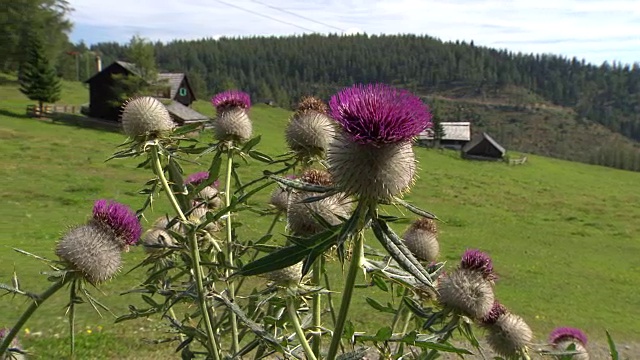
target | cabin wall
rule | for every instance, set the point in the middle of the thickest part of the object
(184, 95)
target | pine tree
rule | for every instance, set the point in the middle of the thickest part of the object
(436, 118)
(38, 78)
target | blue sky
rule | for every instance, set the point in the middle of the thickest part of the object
(592, 30)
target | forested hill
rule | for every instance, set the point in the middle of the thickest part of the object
(542, 104)
(283, 68)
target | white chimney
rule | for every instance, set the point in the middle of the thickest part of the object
(98, 63)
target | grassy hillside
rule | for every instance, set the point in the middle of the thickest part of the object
(564, 236)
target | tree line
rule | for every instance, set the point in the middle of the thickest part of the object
(284, 68)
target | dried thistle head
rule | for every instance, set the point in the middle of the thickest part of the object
(300, 214)
(145, 116)
(309, 133)
(92, 250)
(209, 194)
(509, 336)
(156, 240)
(421, 239)
(119, 219)
(288, 276)
(311, 103)
(466, 292)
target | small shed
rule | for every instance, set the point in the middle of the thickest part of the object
(456, 135)
(101, 96)
(483, 147)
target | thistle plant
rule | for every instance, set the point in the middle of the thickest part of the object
(571, 340)
(89, 253)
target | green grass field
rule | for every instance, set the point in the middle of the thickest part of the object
(564, 236)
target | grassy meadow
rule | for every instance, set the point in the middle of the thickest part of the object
(564, 236)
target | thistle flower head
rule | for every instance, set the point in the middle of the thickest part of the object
(476, 260)
(280, 195)
(197, 178)
(509, 336)
(421, 239)
(494, 314)
(120, 219)
(379, 114)
(155, 240)
(92, 250)
(311, 103)
(231, 99)
(567, 333)
(145, 116)
(466, 292)
(288, 275)
(301, 215)
(15, 343)
(309, 133)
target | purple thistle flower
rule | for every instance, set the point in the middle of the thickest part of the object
(231, 99)
(197, 178)
(567, 333)
(479, 261)
(119, 218)
(379, 113)
(497, 310)
(291, 177)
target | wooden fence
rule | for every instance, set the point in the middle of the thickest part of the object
(34, 110)
(519, 161)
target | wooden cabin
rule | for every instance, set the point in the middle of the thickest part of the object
(483, 147)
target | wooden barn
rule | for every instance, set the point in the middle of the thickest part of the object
(101, 95)
(483, 147)
(456, 135)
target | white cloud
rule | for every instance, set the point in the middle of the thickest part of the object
(595, 30)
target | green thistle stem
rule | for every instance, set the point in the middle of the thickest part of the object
(229, 249)
(398, 313)
(317, 306)
(195, 254)
(291, 306)
(347, 293)
(37, 301)
(72, 319)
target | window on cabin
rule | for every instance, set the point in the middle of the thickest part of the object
(183, 92)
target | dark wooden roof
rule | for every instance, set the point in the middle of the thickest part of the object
(185, 114)
(480, 145)
(173, 80)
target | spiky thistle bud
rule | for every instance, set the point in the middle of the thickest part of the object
(421, 239)
(145, 116)
(119, 219)
(92, 250)
(199, 215)
(509, 335)
(232, 122)
(13, 352)
(286, 276)
(310, 130)
(377, 124)
(156, 240)
(209, 194)
(280, 196)
(466, 292)
(300, 215)
(563, 337)
(480, 262)
(163, 224)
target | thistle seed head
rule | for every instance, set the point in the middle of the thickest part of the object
(300, 215)
(231, 100)
(311, 103)
(288, 275)
(466, 292)
(92, 250)
(309, 133)
(145, 116)
(279, 198)
(155, 240)
(233, 125)
(379, 114)
(120, 219)
(476, 260)
(567, 333)
(509, 336)
(421, 239)
(199, 215)
(376, 173)
(162, 223)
